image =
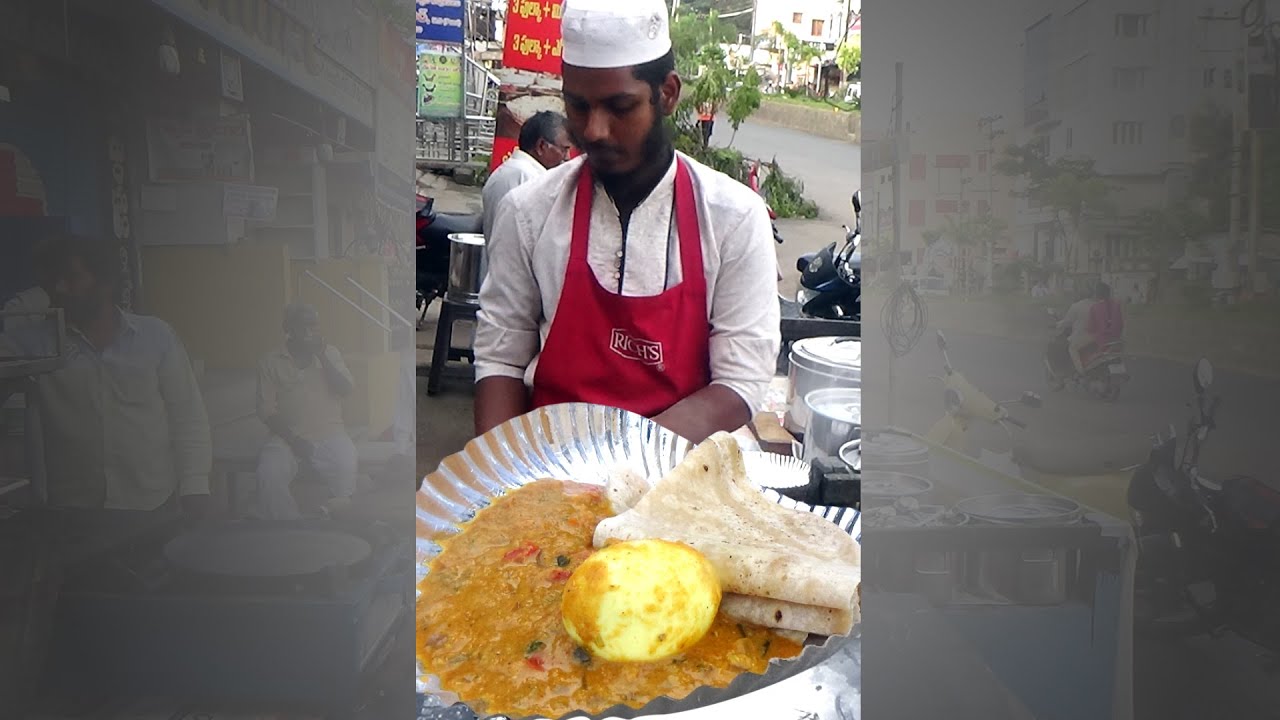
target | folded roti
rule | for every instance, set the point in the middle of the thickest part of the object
(781, 615)
(758, 547)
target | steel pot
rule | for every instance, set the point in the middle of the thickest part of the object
(467, 267)
(818, 364)
(1027, 575)
(835, 419)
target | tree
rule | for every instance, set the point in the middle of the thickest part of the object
(849, 58)
(1070, 187)
(744, 100)
(1165, 231)
(795, 52)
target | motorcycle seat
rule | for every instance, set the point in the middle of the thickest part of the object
(1255, 504)
(449, 223)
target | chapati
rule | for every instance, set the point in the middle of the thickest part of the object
(758, 547)
(782, 615)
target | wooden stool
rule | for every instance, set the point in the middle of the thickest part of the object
(451, 312)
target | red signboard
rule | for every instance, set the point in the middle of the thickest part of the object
(533, 36)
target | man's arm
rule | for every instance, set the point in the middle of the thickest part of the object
(507, 327)
(336, 372)
(188, 422)
(745, 334)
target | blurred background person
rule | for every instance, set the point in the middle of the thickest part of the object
(300, 392)
(122, 423)
(544, 145)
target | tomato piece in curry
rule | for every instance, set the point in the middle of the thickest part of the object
(489, 625)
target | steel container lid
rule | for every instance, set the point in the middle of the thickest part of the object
(839, 404)
(838, 356)
(890, 448)
(467, 238)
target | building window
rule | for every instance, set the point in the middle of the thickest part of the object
(1178, 126)
(917, 168)
(817, 28)
(1210, 77)
(915, 213)
(1128, 79)
(1132, 25)
(797, 18)
(1126, 132)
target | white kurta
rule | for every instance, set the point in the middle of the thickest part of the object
(529, 250)
(517, 170)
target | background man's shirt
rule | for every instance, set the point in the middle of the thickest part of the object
(301, 396)
(518, 169)
(124, 427)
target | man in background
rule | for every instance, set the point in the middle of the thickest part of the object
(1106, 318)
(706, 122)
(544, 144)
(1077, 320)
(122, 422)
(300, 393)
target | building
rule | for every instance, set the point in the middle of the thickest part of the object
(948, 177)
(1121, 85)
(822, 23)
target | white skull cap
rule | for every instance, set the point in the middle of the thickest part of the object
(614, 33)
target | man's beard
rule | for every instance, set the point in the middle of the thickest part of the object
(656, 149)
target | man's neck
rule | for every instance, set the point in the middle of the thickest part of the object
(628, 191)
(102, 328)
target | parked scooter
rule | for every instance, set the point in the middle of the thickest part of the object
(831, 281)
(433, 234)
(1207, 559)
(965, 403)
(1105, 371)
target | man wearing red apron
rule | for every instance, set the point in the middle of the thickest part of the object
(635, 278)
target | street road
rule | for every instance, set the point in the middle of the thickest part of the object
(830, 171)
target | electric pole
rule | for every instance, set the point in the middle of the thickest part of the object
(899, 155)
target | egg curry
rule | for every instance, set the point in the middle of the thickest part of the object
(490, 623)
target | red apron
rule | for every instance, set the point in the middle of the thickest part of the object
(642, 354)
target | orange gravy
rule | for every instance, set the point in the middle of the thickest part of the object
(489, 625)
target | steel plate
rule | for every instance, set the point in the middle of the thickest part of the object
(583, 443)
(771, 470)
(1022, 509)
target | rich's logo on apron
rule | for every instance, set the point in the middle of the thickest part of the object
(633, 348)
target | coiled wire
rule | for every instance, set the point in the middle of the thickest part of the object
(903, 319)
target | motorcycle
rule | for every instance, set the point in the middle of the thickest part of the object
(1206, 549)
(433, 231)
(831, 281)
(1105, 372)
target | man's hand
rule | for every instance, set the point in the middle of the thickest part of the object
(499, 399)
(712, 409)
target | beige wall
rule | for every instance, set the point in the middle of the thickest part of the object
(227, 305)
